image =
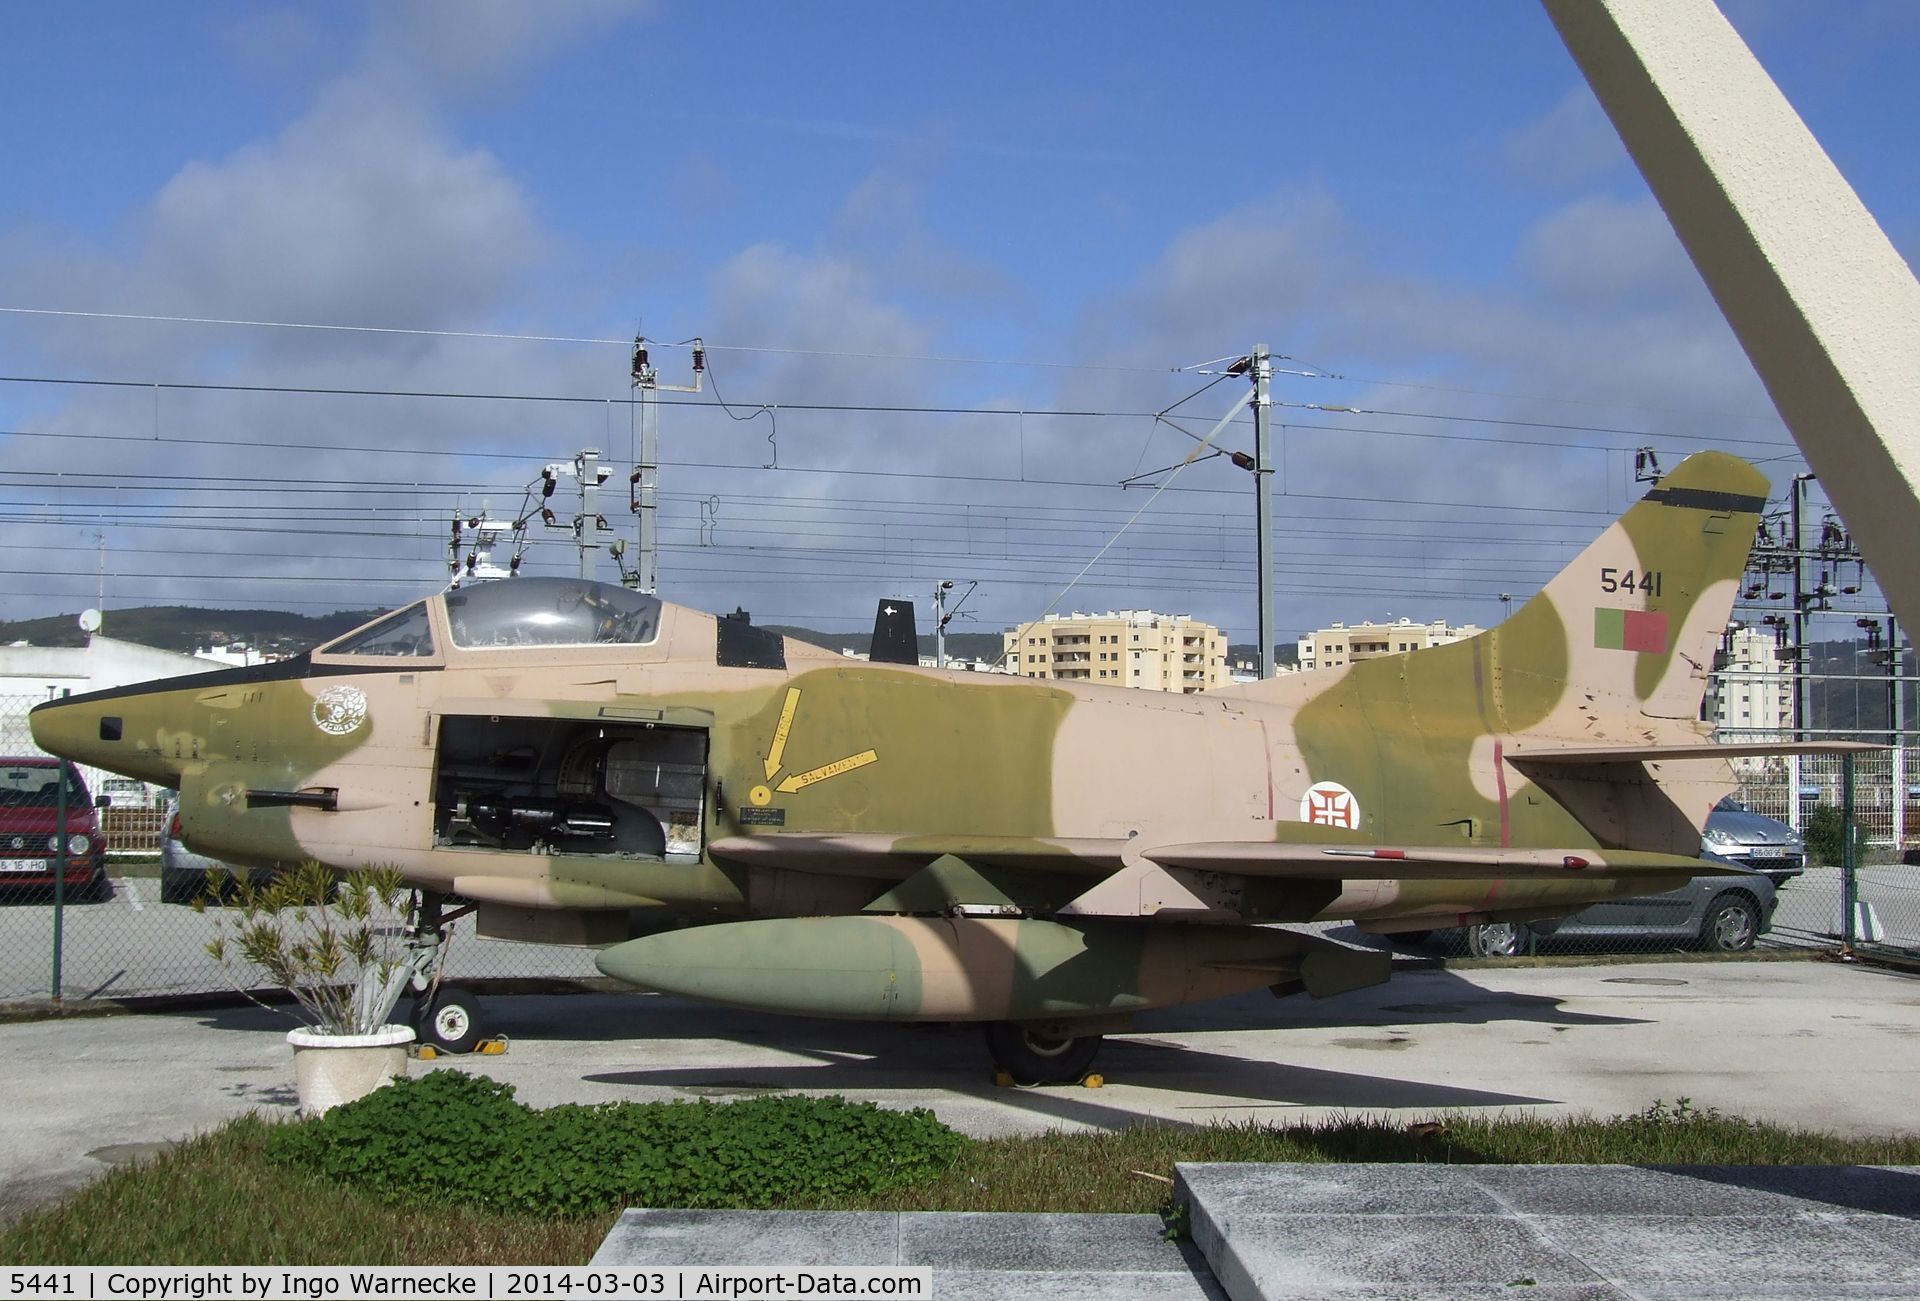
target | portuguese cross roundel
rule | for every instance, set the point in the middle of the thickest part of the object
(1329, 804)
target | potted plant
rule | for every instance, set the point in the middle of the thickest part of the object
(338, 948)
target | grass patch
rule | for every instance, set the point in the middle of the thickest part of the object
(220, 1199)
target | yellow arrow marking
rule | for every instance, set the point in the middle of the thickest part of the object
(801, 780)
(779, 747)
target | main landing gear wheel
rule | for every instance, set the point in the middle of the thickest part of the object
(449, 1021)
(1039, 1059)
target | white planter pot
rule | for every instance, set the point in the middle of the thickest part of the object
(329, 1069)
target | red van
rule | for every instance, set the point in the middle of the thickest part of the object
(30, 822)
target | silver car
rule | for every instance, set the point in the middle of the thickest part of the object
(1723, 913)
(1737, 834)
(183, 873)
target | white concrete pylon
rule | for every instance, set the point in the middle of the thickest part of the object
(1825, 308)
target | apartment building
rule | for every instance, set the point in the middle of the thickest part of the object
(1753, 685)
(1121, 648)
(1330, 648)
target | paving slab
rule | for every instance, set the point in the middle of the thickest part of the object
(1561, 1231)
(975, 1256)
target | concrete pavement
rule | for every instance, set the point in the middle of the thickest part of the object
(1803, 1043)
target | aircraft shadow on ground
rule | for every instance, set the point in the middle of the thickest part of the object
(1426, 997)
(914, 1059)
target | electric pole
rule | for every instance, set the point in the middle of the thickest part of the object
(1897, 721)
(590, 527)
(644, 487)
(587, 468)
(1263, 497)
(943, 616)
(1801, 663)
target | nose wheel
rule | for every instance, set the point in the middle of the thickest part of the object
(447, 1019)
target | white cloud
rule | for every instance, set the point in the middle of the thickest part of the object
(1571, 145)
(467, 46)
(1601, 250)
(361, 211)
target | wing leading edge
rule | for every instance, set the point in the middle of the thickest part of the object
(899, 856)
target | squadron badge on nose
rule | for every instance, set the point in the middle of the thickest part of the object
(338, 711)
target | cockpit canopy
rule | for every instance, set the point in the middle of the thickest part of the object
(550, 612)
(516, 612)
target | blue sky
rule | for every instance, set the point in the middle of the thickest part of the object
(1421, 198)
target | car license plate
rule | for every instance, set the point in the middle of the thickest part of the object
(25, 865)
(1767, 851)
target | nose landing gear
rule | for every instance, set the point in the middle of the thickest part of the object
(446, 1018)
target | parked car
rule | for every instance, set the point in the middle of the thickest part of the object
(30, 789)
(1737, 834)
(183, 873)
(1723, 913)
(126, 793)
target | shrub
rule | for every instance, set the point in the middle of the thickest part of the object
(335, 946)
(453, 1137)
(1826, 835)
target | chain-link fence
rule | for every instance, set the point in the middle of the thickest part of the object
(1875, 866)
(112, 916)
(1786, 825)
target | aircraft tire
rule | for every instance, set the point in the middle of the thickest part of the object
(1035, 1060)
(449, 1021)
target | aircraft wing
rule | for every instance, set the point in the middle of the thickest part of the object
(1441, 863)
(894, 857)
(888, 856)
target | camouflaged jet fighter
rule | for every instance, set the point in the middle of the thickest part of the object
(798, 832)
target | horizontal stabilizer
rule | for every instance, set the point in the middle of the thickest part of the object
(1520, 753)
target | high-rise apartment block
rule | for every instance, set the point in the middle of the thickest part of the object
(1124, 648)
(1331, 648)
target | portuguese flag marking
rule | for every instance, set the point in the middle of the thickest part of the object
(1630, 630)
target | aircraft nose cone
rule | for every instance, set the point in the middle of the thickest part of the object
(77, 731)
(103, 734)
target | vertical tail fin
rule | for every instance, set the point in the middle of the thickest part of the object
(1635, 619)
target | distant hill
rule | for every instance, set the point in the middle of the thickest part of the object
(960, 645)
(186, 628)
(1286, 654)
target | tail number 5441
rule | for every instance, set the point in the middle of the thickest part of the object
(1646, 582)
